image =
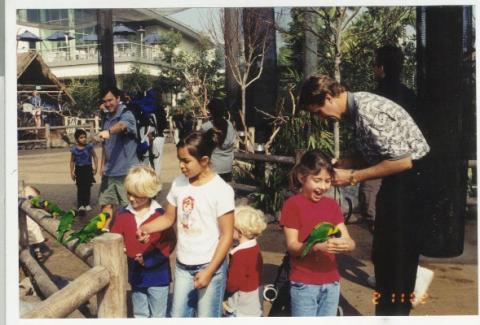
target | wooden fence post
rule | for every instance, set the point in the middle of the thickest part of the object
(97, 124)
(23, 233)
(108, 252)
(298, 155)
(91, 129)
(47, 135)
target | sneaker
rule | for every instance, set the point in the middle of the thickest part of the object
(88, 208)
(423, 281)
(81, 208)
(372, 281)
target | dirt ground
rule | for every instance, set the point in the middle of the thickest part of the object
(454, 290)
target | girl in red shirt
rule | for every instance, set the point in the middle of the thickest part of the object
(314, 279)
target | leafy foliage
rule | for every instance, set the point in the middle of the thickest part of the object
(86, 93)
(137, 81)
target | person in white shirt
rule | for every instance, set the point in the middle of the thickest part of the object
(202, 203)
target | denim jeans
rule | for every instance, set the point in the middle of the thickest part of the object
(314, 300)
(205, 302)
(150, 302)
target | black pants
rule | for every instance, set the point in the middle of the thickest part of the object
(396, 242)
(84, 179)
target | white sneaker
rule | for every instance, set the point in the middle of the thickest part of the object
(423, 281)
(372, 281)
(81, 208)
(88, 208)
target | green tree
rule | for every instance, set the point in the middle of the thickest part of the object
(86, 94)
(200, 74)
(137, 81)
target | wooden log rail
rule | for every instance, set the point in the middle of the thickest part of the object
(91, 128)
(107, 279)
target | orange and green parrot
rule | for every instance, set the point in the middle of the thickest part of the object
(91, 229)
(319, 234)
(65, 224)
(36, 202)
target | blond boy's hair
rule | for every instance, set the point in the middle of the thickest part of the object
(249, 222)
(142, 181)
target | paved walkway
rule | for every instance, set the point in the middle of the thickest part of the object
(454, 290)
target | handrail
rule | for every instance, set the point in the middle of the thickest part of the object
(107, 278)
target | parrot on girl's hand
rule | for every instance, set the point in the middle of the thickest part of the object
(319, 234)
(91, 229)
(65, 224)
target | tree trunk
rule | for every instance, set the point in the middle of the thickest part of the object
(105, 40)
(310, 44)
(232, 35)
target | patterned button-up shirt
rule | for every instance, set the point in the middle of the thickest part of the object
(384, 130)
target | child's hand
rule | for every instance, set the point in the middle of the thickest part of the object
(340, 245)
(142, 236)
(202, 279)
(320, 247)
(139, 259)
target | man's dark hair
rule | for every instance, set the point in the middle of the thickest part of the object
(391, 58)
(113, 89)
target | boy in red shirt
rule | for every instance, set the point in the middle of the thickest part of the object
(245, 268)
(148, 263)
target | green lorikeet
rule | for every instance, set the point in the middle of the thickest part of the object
(91, 229)
(65, 224)
(37, 202)
(53, 209)
(320, 233)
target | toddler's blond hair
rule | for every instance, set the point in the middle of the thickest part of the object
(249, 222)
(142, 181)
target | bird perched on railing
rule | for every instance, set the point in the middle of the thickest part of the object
(319, 234)
(65, 224)
(49, 206)
(93, 228)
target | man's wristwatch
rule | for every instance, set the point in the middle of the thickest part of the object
(353, 181)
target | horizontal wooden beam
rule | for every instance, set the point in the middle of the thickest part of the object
(42, 280)
(267, 158)
(72, 296)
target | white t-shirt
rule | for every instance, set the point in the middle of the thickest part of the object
(198, 208)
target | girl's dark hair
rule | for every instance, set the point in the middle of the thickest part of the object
(312, 162)
(78, 133)
(216, 107)
(200, 144)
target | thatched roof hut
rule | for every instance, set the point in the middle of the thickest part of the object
(34, 74)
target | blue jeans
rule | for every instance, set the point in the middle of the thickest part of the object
(314, 300)
(150, 302)
(207, 302)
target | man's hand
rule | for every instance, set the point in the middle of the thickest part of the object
(94, 170)
(342, 177)
(73, 176)
(104, 135)
(202, 279)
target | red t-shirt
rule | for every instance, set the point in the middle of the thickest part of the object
(300, 213)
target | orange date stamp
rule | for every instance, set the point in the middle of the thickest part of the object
(399, 298)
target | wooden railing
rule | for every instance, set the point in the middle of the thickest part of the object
(47, 129)
(106, 280)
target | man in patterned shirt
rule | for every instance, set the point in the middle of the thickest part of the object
(391, 145)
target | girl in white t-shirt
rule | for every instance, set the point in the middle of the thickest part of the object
(202, 203)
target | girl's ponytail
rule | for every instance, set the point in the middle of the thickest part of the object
(200, 144)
